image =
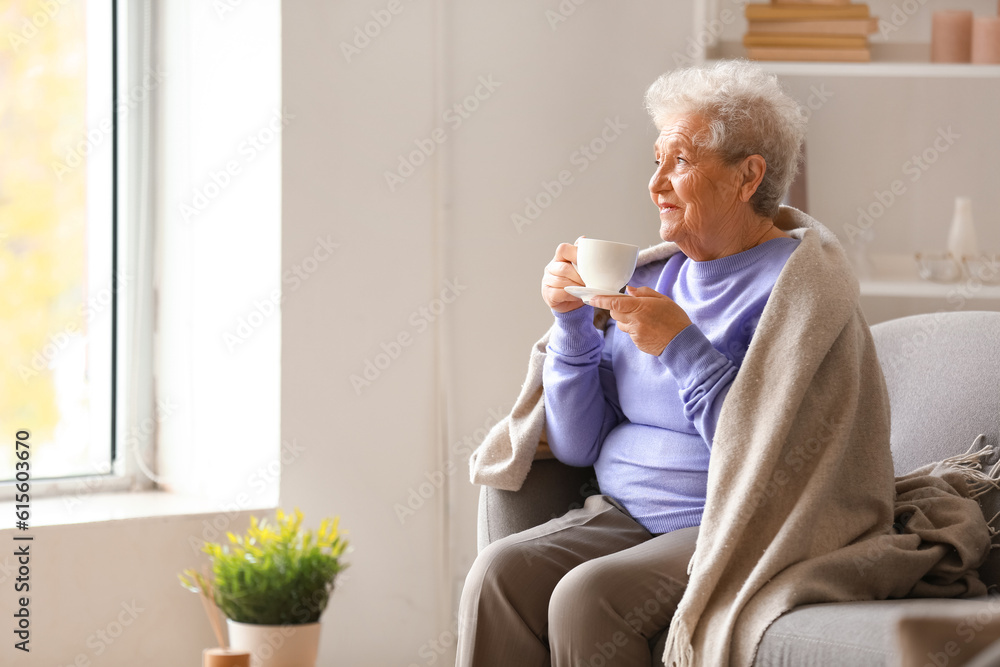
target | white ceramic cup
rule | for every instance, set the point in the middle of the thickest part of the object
(605, 265)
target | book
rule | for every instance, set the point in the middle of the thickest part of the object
(801, 12)
(808, 54)
(811, 2)
(824, 27)
(806, 41)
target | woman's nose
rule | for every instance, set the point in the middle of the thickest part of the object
(660, 182)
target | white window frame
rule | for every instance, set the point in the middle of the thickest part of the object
(132, 314)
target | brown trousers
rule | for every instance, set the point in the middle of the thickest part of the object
(591, 588)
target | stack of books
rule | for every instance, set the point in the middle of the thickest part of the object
(825, 30)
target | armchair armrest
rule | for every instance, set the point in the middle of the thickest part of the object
(551, 489)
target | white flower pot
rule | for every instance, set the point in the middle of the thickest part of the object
(276, 645)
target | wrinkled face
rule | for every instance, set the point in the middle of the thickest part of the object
(697, 194)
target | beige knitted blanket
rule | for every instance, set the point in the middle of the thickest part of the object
(801, 491)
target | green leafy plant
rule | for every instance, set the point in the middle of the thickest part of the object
(274, 574)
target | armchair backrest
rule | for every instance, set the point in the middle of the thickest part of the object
(942, 371)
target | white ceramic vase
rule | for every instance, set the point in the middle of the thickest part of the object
(962, 241)
(276, 645)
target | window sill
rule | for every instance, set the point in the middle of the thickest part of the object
(109, 506)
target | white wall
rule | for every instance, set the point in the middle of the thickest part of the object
(351, 121)
(106, 594)
(549, 91)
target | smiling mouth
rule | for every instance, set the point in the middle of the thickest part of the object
(665, 208)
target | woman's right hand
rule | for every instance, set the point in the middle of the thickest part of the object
(559, 273)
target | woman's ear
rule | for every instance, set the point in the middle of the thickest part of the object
(752, 171)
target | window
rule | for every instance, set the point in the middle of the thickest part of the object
(61, 282)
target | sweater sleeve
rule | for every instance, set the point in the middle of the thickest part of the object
(703, 376)
(581, 397)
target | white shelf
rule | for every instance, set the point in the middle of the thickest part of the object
(905, 56)
(924, 289)
(888, 60)
(895, 275)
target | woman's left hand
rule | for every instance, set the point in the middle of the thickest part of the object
(651, 319)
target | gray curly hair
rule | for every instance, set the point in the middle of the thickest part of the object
(746, 112)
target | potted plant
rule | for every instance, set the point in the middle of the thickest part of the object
(273, 584)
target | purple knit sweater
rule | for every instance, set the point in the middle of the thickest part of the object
(647, 423)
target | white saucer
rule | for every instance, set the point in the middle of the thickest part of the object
(586, 293)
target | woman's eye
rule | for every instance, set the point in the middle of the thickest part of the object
(680, 159)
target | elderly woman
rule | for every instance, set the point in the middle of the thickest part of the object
(732, 407)
(640, 403)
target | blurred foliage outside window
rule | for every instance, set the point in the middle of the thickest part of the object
(46, 305)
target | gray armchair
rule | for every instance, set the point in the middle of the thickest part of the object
(943, 376)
